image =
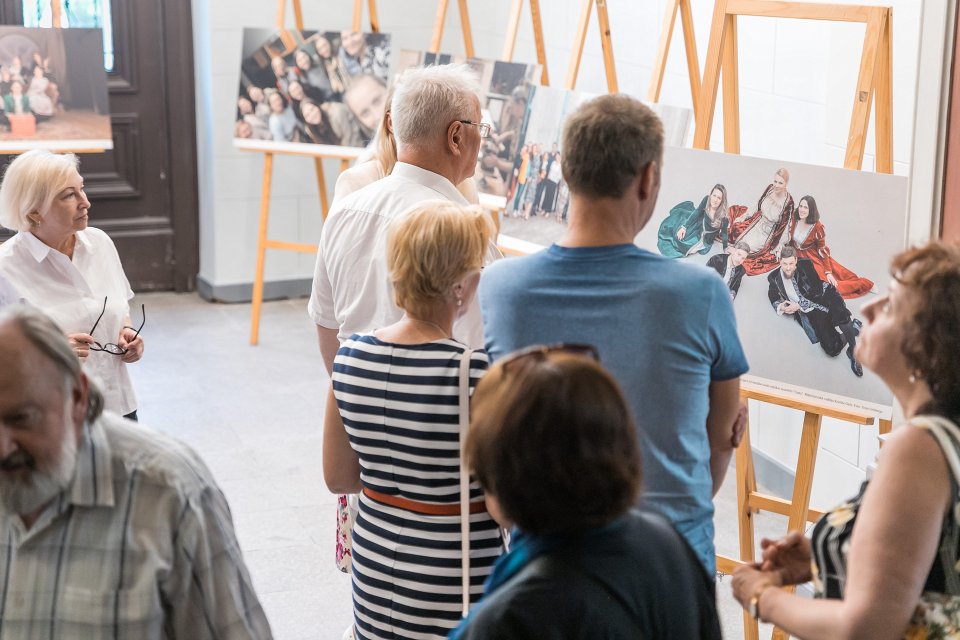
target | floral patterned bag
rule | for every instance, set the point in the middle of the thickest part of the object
(346, 516)
(938, 614)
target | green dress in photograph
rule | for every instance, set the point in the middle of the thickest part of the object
(700, 235)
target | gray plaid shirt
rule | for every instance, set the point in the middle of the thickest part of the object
(141, 547)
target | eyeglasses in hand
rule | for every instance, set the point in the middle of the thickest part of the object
(111, 347)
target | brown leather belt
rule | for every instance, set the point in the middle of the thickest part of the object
(425, 508)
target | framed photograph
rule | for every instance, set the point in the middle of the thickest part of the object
(537, 198)
(311, 87)
(53, 88)
(798, 309)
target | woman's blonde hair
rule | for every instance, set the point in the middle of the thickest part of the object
(386, 147)
(432, 248)
(30, 184)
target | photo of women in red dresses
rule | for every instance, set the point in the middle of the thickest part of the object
(783, 239)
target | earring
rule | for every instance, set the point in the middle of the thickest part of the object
(459, 302)
(914, 376)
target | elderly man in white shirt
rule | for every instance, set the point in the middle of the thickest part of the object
(436, 122)
(107, 529)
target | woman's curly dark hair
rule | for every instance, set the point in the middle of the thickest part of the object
(931, 341)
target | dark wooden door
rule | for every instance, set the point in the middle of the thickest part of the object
(144, 191)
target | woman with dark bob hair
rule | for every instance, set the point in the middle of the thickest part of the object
(885, 563)
(553, 446)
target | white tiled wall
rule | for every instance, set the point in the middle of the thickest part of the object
(797, 83)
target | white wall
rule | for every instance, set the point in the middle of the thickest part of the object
(797, 82)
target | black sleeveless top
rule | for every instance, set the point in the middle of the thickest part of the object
(830, 538)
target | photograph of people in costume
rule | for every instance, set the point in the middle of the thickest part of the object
(312, 87)
(504, 87)
(801, 248)
(763, 225)
(53, 88)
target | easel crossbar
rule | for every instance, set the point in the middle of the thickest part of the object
(802, 11)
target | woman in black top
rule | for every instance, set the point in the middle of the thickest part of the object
(884, 564)
(552, 443)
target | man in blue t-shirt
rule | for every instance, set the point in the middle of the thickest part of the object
(665, 329)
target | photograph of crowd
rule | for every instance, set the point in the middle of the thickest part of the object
(535, 191)
(53, 88)
(504, 87)
(313, 87)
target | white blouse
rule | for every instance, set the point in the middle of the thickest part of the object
(72, 293)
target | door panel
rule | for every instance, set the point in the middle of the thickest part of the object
(140, 196)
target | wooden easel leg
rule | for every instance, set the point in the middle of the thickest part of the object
(513, 28)
(257, 299)
(281, 13)
(803, 483)
(297, 15)
(886, 426)
(857, 139)
(883, 102)
(441, 20)
(606, 44)
(663, 49)
(465, 27)
(538, 40)
(746, 485)
(356, 24)
(322, 187)
(690, 43)
(374, 20)
(711, 78)
(580, 37)
(731, 89)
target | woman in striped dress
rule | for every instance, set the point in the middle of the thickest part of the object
(392, 432)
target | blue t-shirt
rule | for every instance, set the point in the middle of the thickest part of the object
(663, 328)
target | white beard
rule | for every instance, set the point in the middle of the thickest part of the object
(26, 495)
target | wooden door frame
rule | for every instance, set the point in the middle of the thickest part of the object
(179, 103)
(950, 189)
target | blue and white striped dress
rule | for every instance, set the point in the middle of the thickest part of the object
(400, 407)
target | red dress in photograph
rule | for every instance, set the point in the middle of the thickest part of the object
(763, 233)
(814, 247)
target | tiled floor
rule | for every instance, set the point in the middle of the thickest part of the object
(255, 415)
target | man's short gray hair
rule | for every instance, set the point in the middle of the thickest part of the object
(46, 336)
(427, 99)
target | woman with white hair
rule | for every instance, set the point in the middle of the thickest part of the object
(69, 270)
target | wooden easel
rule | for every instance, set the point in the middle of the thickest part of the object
(318, 152)
(580, 37)
(513, 28)
(797, 510)
(438, 25)
(875, 73)
(663, 50)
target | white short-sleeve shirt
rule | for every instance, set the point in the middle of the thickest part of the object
(351, 282)
(71, 292)
(8, 294)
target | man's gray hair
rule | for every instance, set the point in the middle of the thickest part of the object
(427, 99)
(46, 336)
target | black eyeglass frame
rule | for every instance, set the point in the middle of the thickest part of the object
(111, 347)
